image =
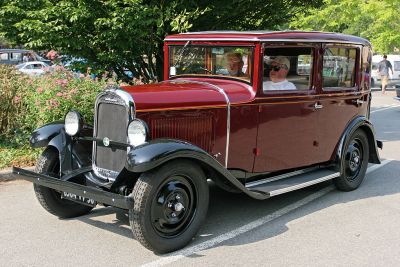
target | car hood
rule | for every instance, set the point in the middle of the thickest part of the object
(189, 93)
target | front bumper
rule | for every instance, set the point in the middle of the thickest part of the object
(101, 196)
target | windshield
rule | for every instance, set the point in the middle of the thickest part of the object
(217, 61)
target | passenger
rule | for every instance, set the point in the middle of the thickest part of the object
(234, 64)
(279, 68)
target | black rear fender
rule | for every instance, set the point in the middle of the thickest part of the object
(364, 124)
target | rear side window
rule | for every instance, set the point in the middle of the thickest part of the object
(339, 67)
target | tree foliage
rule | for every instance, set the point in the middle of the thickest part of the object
(128, 34)
(376, 20)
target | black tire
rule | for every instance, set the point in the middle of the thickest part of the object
(354, 162)
(171, 203)
(48, 163)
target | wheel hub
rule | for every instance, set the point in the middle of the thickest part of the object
(353, 160)
(173, 207)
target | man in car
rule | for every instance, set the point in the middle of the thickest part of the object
(279, 68)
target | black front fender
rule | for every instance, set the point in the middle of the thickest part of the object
(70, 153)
(42, 136)
(157, 152)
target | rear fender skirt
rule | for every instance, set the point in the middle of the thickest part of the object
(72, 154)
(157, 152)
(363, 123)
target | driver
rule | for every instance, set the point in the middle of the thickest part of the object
(234, 63)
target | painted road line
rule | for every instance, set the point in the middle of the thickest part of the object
(381, 109)
(170, 258)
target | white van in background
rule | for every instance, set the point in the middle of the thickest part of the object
(376, 78)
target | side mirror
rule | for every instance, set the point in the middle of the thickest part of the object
(172, 71)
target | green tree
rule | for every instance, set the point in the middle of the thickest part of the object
(375, 20)
(128, 34)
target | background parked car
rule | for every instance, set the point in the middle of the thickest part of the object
(32, 67)
(16, 56)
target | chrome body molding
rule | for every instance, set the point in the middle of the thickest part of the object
(228, 115)
(109, 96)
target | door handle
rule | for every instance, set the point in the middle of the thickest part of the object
(358, 102)
(318, 106)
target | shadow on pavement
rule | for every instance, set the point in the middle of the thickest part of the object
(229, 211)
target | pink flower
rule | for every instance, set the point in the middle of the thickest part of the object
(39, 90)
(59, 68)
(62, 82)
(52, 55)
(59, 94)
(56, 104)
(17, 99)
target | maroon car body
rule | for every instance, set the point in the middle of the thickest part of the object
(202, 122)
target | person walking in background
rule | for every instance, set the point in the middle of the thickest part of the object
(383, 69)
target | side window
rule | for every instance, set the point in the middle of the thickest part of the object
(287, 69)
(339, 67)
(4, 56)
(16, 56)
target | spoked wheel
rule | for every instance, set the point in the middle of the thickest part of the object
(171, 202)
(354, 162)
(50, 199)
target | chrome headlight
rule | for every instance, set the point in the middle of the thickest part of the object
(73, 122)
(137, 132)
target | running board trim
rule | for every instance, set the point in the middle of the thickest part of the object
(279, 177)
(306, 184)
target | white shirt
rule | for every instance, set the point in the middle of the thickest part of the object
(283, 85)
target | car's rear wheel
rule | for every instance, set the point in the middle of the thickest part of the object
(171, 203)
(50, 199)
(354, 162)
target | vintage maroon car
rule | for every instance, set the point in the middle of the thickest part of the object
(261, 113)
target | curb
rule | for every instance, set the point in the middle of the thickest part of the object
(6, 174)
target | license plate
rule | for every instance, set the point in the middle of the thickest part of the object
(79, 199)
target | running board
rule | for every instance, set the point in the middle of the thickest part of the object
(277, 187)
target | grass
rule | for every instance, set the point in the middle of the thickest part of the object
(12, 155)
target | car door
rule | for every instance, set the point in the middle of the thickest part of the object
(341, 97)
(287, 135)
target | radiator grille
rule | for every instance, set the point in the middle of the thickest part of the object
(111, 122)
(198, 131)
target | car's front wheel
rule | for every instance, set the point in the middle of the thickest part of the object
(50, 199)
(354, 162)
(171, 203)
